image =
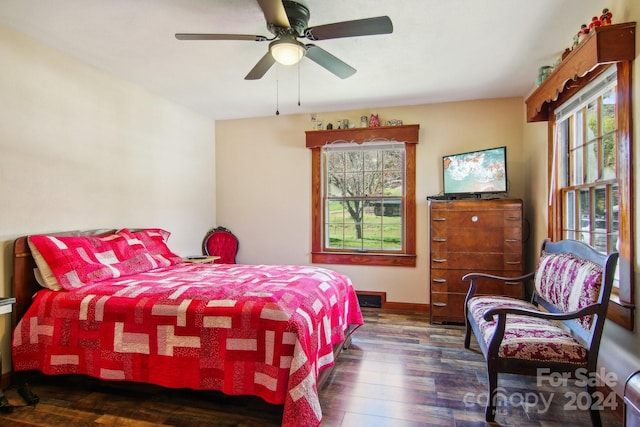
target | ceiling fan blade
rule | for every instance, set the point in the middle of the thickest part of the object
(330, 62)
(261, 67)
(359, 27)
(274, 13)
(184, 36)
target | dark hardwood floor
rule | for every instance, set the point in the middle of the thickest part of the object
(400, 371)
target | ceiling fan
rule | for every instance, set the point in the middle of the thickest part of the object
(287, 21)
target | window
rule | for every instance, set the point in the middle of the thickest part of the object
(363, 199)
(587, 138)
(363, 195)
(591, 175)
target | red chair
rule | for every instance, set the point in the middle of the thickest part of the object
(220, 241)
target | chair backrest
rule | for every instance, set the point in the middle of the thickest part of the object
(571, 275)
(222, 242)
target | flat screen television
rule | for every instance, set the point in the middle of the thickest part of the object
(475, 173)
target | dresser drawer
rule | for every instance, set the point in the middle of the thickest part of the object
(476, 219)
(513, 243)
(512, 218)
(465, 239)
(447, 307)
(476, 261)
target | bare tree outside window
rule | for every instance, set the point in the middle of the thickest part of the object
(364, 197)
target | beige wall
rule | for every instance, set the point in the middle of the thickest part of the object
(80, 149)
(620, 350)
(263, 172)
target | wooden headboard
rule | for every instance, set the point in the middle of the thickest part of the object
(24, 282)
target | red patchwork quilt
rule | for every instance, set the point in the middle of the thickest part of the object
(241, 329)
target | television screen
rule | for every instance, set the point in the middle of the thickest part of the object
(476, 172)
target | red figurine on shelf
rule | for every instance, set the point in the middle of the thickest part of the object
(595, 22)
(582, 34)
(606, 17)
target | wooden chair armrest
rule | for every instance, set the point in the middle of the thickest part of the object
(503, 311)
(473, 278)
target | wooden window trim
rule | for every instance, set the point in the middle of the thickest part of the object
(315, 141)
(621, 305)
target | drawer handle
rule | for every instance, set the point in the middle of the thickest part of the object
(511, 240)
(439, 260)
(513, 262)
(440, 218)
(513, 218)
(512, 283)
(440, 280)
(439, 239)
(440, 304)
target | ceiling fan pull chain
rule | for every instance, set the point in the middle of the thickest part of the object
(298, 84)
(277, 99)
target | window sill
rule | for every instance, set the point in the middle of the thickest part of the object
(620, 313)
(355, 258)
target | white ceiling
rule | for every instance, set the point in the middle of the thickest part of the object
(439, 51)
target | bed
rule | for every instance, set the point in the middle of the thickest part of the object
(118, 305)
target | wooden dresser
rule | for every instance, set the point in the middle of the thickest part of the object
(472, 235)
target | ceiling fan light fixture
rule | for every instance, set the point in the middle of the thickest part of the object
(287, 51)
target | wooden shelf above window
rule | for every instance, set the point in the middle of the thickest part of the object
(405, 133)
(606, 45)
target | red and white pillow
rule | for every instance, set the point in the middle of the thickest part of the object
(69, 262)
(155, 240)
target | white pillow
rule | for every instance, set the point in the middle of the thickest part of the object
(44, 275)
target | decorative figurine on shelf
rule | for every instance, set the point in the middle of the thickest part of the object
(543, 73)
(595, 22)
(364, 122)
(576, 40)
(582, 34)
(606, 17)
(374, 121)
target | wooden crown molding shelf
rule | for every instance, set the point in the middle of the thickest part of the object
(405, 133)
(606, 45)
